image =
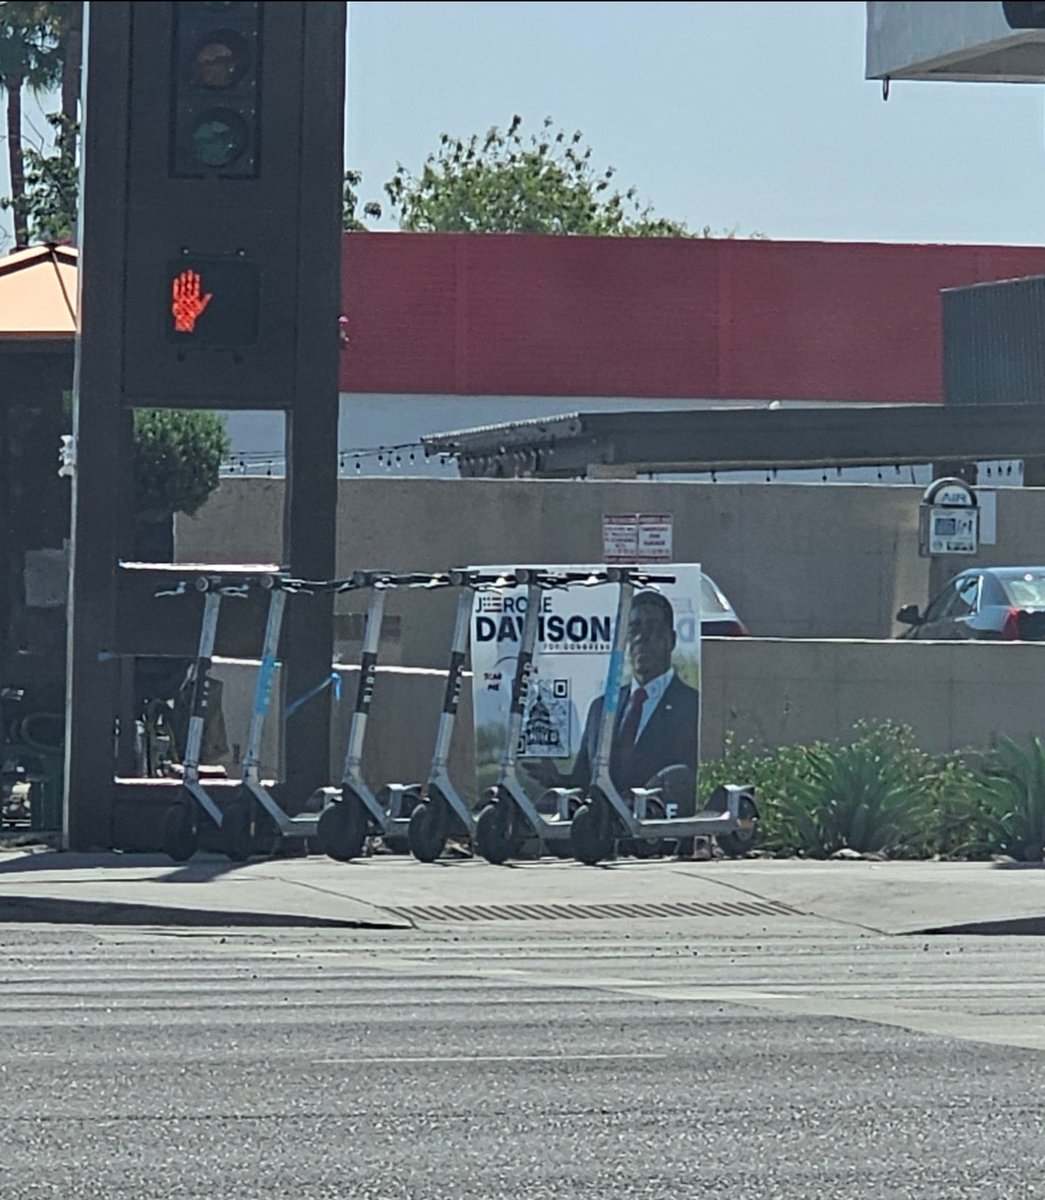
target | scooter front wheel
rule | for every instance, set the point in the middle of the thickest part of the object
(428, 831)
(179, 832)
(592, 833)
(499, 834)
(341, 829)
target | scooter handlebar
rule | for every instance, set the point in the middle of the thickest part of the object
(637, 575)
(237, 586)
(542, 577)
(389, 579)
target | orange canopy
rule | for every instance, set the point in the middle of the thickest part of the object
(38, 294)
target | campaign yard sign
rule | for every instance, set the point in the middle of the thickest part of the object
(660, 686)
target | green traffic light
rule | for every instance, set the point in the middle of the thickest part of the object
(218, 138)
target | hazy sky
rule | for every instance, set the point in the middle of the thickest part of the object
(754, 115)
(746, 115)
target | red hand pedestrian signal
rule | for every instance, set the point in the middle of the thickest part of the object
(186, 301)
(229, 303)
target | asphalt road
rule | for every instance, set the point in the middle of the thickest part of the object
(570, 1059)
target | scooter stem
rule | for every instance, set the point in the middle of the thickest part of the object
(263, 687)
(201, 685)
(614, 672)
(521, 680)
(452, 696)
(367, 678)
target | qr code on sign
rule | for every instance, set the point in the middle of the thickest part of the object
(547, 729)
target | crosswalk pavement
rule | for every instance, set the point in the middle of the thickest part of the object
(508, 1058)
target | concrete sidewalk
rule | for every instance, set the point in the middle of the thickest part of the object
(758, 896)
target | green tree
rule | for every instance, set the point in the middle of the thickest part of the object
(177, 457)
(29, 58)
(66, 20)
(44, 196)
(350, 204)
(51, 187)
(508, 182)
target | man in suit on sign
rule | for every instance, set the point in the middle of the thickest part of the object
(656, 724)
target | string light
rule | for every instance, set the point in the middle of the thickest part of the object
(273, 462)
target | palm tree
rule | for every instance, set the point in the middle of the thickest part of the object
(28, 58)
(64, 19)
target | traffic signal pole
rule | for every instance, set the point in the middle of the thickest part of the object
(209, 279)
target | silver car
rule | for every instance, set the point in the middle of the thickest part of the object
(992, 603)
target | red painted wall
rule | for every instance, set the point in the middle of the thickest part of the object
(513, 315)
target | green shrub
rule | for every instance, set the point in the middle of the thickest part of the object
(862, 797)
(773, 775)
(1010, 791)
(879, 792)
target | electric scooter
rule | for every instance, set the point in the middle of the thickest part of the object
(440, 810)
(181, 823)
(254, 822)
(509, 817)
(357, 813)
(606, 817)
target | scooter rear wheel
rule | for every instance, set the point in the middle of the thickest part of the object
(428, 831)
(741, 841)
(654, 848)
(396, 843)
(499, 832)
(341, 829)
(237, 836)
(179, 832)
(592, 832)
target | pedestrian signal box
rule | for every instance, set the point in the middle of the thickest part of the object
(211, 301)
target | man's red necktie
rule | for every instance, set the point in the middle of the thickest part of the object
(629, 727)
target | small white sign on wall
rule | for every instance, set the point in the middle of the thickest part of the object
(637, 537)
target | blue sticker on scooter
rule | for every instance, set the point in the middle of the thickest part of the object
(263, 693)
(611, 697)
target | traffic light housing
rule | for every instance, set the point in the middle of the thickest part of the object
(210, 231)
(216, 91)
(233, 155)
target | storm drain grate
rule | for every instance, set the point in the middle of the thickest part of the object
(465, 913)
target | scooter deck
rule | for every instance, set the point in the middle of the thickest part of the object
(703, 824)
(304, 825)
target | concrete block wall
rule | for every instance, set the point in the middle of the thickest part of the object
(954, 695)
(816, 571)
(797, 560)
(767, 692)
